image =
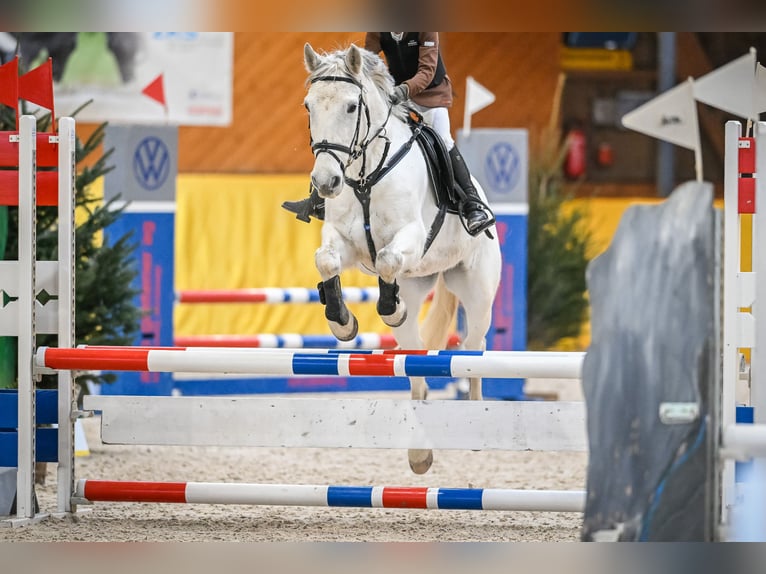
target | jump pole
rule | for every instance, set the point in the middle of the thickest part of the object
(456, 364)
(88, 491)
(296, 341)
(275, 295)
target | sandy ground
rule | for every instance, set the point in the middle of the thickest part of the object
(191, 523)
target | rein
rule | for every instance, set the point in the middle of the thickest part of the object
(362, 186)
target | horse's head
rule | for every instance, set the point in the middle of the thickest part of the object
(346, 96)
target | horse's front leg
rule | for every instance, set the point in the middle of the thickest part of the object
(400, 254)
(331, 258)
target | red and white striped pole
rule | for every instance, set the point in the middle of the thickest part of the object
(458, 364)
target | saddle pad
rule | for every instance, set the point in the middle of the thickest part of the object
(438, 163)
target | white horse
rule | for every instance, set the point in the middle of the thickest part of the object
(380, 216)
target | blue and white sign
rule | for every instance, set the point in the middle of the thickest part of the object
(145, 162)
(499, 159)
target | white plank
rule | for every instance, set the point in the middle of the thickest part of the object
(341, 423)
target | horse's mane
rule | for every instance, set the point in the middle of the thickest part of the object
(374, 68)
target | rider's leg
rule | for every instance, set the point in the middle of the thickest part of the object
(477, 218)
(313, 206)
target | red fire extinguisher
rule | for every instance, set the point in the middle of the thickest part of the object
(575, 160)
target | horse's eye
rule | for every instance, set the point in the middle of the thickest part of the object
(351, 108)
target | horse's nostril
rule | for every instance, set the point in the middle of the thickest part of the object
(335, 181)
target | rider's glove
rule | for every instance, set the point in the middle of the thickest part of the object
(401, 94)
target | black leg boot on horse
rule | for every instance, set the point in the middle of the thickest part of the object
(312, 206)
(342, 322)
(477, 215)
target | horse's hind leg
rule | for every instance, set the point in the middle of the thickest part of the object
(478, 318)
(408, 337)
(476, 293)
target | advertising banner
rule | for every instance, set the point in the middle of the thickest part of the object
(177, 78)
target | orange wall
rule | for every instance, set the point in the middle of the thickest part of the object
(269, 133)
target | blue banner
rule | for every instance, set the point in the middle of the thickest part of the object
(156, 233)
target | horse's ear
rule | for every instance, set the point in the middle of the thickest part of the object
(354, 59)
(310, 58)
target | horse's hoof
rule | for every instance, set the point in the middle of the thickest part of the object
(395, 319)
(418, 464)
(345, 332)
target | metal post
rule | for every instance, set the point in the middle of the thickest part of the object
(666, 79)
(66, 270)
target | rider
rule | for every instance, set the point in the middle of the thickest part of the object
(415, 62)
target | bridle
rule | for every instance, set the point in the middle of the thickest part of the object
(355, 149)
(363, 184)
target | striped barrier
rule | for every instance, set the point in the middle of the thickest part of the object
(393, 363)
(275, 295)
(331, 496)
(297, 341)
(231, 384)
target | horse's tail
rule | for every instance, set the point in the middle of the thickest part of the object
(440, 318)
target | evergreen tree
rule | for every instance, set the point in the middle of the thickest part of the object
(105, 312)
(559, 245)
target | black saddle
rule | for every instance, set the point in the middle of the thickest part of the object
(438, 163)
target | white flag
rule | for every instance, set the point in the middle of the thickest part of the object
(477, 97)
(759, 92)
(731, 87)
(671, 116)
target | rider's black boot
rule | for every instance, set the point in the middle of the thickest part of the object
(313, 206)
(478, 217)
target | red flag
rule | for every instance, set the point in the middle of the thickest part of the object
(9, 84)
(36, 86)
(156, 89)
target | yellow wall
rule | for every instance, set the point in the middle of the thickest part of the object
(231, 233)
